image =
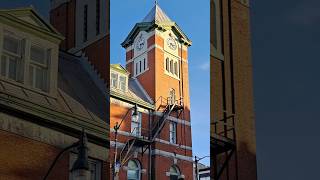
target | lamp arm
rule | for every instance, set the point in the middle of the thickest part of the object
(57, 158)
(125, 116)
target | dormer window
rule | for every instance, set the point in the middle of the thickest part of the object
(11, 59)
(119, 81)
(38, 71)
(21, 55)
(114, 80)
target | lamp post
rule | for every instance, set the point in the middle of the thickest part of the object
(116, 165)
(80, 169)
(196, 160)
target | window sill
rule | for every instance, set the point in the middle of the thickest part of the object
(141, 72)
(171, 75)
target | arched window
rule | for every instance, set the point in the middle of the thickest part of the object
(174, 172)
(171, 66)
(134, 170)
(167, 64)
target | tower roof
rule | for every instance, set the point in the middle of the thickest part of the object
(156, 15)
(156, 18)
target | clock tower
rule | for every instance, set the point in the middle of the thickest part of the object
(157, 56)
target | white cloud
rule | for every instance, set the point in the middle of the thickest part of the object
(205, 66)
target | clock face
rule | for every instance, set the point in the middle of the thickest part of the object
(171, 43)
(140, 43)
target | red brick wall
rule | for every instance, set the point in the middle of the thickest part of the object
(25, 159)
(101, 60)
(63, 19)
(22, 158)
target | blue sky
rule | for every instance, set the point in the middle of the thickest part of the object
(193, 17)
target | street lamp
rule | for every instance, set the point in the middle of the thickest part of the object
(197, 159)
(116, 165)
(80, 169)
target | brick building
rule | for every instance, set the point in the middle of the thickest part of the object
(85, 24)
(233, 146)
(150, 103)
(45, 102)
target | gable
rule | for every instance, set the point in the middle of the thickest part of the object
(29, 17)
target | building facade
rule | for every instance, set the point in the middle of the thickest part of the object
(85, 24)
(150, 104)
(45, 102)
(233, 146)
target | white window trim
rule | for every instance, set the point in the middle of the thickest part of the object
(118, 81)
(175, 60)
(136, 61)
(25, 48)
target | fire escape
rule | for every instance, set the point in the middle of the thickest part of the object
(148, 136)
(223, 145)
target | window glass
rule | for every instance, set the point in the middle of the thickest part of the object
(85, 23)
(134, 170)
(11, 58)
(167, 64)
(136, 124)
(123, 81)
(114, 80)
(11, 44)
(173, 132)
(38, 55)
(174, 173)
(38, 69)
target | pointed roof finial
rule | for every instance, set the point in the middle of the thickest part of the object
(156, 2)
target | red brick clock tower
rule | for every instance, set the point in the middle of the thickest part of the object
(157, 56)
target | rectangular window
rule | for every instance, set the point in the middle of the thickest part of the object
(173, 132)
(11, 59)
(114, 80)
(85, 23)
(216, 29)
(136, 124)
(97, 17)
(38, 69)
(123, 82)
(136, 69)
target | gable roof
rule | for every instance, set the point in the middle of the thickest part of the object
(29, 18)
(119, 68)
